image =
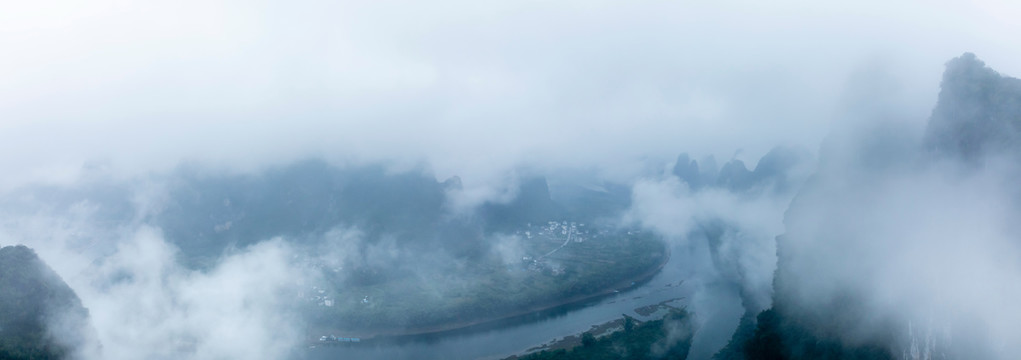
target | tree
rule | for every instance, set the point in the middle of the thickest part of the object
(629, 323)
(588, 340)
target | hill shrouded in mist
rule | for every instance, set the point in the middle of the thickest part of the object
(978, 113)
(40, 316)
(878, 262)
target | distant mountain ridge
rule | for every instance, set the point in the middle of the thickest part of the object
(772, 170)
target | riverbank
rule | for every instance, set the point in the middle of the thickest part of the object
(650, 312)
(396, 334)
(570, 341)
(623, 337)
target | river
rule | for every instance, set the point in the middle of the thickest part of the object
(507, 337)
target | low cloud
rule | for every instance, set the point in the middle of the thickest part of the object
(508, 248)
(144, 304)
(932, 247)
(471, 90)
(728, 239)
(741, 228)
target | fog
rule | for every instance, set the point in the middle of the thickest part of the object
(105, 104)
(928, 250)
(144, 304)
(940, 252)
(471, 89)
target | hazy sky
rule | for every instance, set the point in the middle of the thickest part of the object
(470, 88)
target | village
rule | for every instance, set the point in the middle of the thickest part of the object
(543, 242)
(556, 233)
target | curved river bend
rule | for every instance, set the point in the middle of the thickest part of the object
(507, 337)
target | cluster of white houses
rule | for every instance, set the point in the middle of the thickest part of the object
(552, 228)
(559, 231)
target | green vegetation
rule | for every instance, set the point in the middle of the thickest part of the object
(776, 337)
(551, 270)
(735, 349)
(668, 338)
